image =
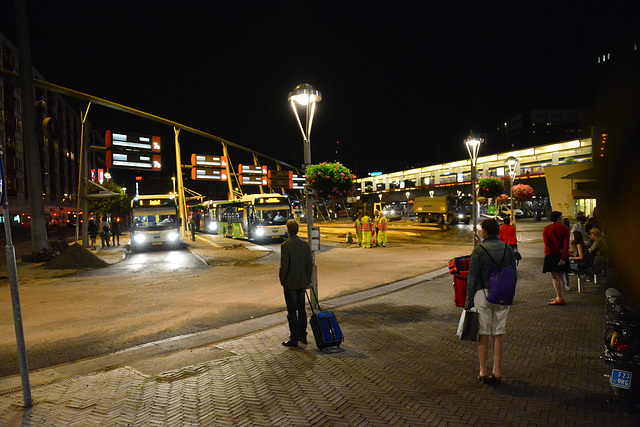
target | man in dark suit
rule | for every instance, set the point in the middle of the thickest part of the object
(295, 276)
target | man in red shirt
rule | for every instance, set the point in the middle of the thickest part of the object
(556, 254)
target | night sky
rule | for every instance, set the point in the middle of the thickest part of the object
(403, 82)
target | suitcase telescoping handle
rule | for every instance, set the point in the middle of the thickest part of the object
(316, 298)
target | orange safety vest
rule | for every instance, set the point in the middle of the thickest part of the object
(358, 226)
(365, 224)
(382, 224)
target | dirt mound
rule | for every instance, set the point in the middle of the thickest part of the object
(76, 257)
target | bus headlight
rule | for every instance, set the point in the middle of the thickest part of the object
(139, 238)
(213, 227)
(173, 236)
(260, 232)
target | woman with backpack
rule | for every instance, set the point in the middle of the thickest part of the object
(491, 256)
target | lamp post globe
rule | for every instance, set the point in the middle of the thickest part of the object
(304, 97)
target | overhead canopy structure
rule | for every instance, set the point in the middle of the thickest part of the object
(591, 174)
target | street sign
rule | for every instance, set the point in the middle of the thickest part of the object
(208, 174)
(132, 151)
(132, 141)
(298, 182)
(252, 169)
(252, 179)
(133, 160)
(208, 161)
(280, 179)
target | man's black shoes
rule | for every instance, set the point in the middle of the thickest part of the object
(304, 340)
(290, 343)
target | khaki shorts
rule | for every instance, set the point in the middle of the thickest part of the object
(491, 317)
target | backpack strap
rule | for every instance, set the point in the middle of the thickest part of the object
(504, 254)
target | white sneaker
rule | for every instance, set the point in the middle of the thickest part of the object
(567, 288)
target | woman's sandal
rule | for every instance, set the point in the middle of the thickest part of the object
(556, 301)
(494, 380)
(484, 379)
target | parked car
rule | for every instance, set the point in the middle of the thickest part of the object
(505, 210)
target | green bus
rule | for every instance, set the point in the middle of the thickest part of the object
(255, 217)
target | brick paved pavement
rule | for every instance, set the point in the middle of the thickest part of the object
(401, 365)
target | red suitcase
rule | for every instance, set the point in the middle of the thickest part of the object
(459, 268)
(460, 288)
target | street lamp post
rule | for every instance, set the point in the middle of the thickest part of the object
(306, 97)
(513, 165)
(473, 146)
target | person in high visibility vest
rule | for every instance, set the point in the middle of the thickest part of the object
(382, 230)
(374, 229)
(366, 231)
(359, 229)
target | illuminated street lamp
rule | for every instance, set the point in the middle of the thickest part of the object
(513, 166)
(473, 146)
(305, 97)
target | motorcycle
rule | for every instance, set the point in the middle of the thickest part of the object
(622, 349)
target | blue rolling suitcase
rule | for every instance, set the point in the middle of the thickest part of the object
(324, 325)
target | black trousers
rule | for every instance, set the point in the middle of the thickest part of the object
(296, 313)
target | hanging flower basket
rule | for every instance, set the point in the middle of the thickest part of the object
(330, 180)
(490, 187)
(523, 192)
(502, 199)
(482, 200)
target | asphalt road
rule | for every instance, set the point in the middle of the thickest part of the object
(156, 295)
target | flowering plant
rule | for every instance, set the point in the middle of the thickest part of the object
(502, 199)
(330, 180)
(482, 200)
(523, 192)
(489, 187)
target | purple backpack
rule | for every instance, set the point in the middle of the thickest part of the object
(502, 281)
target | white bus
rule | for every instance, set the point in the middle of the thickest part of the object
(256, 217)
(154, 221)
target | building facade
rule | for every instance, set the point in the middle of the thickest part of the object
(59, 158)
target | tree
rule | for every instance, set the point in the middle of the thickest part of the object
(114, 206)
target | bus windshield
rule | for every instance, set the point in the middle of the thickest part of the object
(270, 215)
(157, 220)
(154, 213)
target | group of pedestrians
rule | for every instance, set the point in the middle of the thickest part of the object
(498, 251)
(570, 252)
(106, 231)
(564, 250)
(371, 232)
